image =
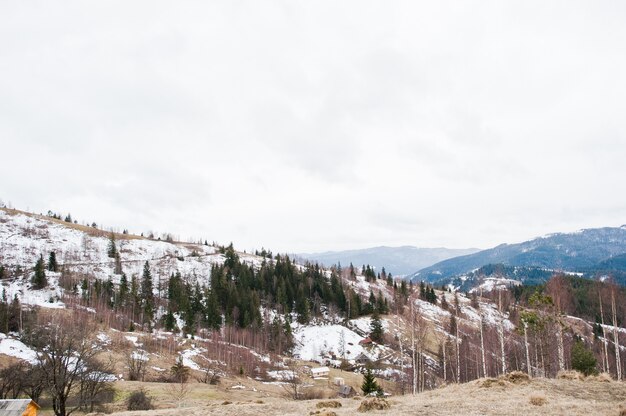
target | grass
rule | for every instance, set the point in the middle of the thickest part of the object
(528, 397)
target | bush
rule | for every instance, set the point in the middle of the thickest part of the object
(139, 400)
(583, 359)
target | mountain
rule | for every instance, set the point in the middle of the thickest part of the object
(399, 261)
(578, 251)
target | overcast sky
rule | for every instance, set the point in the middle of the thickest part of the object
(317, 125)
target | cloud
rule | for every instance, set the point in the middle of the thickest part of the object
(307, 126)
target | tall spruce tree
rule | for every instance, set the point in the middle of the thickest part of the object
(376, 328)
(52, 262)
(112, 248)
(147, 297)
(370, 385)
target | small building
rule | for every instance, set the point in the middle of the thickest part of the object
(366, 341)
(346, 391)
(339, 381)
(362, 359)
(320, 372)
(18, 407)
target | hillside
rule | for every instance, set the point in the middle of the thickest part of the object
(574, 252)
(256, 323)
(400, 261)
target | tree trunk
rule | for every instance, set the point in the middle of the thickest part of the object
(618, 363)
(605, 362)
(527, 349)
(559, 346)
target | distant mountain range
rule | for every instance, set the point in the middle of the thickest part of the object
(590, 252)
(400, 261)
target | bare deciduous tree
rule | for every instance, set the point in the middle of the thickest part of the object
(65, 351)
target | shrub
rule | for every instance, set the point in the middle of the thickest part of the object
(583, 359)
(139, 400)
(375, 403)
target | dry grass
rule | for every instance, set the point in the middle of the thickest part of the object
(329, 403)
(562, 397)
(538, 400)
(491, 382)
(600, 378)
(570, 375)
(374, 403)
(516, 377)
(323, 413)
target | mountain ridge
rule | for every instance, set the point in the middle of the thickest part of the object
(398, 260)
(577, 251)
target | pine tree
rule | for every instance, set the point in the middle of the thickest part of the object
(376, 328)
(583, 359)
(147, 296)
(123, 291)
(370, 385)
(112, 249)
(444, 302)
(52, 262)
(169, 322)
(39, 280)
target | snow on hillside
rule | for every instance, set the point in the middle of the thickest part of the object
(17, 349)
(24, 237)
(313, 342)
(469, 315)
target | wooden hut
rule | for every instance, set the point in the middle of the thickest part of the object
(18, 407)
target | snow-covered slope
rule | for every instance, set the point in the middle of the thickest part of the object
(82, 250)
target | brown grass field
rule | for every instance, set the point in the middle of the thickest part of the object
(593, 396)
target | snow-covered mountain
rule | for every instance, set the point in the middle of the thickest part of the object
(399, 261)
(580, 251)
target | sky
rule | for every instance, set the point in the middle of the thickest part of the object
(306, 126)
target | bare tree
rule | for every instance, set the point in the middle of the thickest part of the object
(618, 363)
(605, 359)
(180, 375)
(136, 365)
(64, 353)
(293, 380)
(501, 332)
(95, 383)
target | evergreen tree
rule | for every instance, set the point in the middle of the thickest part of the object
(583, 359)
(122, 294)
(52, 262)
(39, 280)
(169, 322)
(147, 296)
(112, 249)
(444, 302)
(376, 328)
(370, 385)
